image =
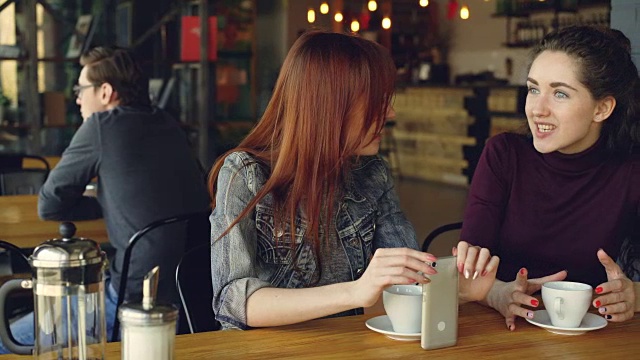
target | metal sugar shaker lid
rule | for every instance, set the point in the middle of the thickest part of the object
(148, 313)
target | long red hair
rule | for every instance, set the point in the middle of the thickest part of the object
(331, 90)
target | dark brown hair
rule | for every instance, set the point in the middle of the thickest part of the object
(117, 66)
(331, 90)
(605, 68)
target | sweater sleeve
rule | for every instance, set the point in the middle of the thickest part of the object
(488, 195)
(234, 268)
(61, 195)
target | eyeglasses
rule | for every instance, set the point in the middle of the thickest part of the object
(77, 89)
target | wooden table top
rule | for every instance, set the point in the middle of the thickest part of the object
(482, 335)
(20, 225)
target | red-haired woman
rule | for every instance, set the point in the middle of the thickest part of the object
(306, 222)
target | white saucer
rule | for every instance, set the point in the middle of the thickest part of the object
(382, 325)
(590, 322)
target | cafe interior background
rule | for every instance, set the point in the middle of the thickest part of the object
(461, 69)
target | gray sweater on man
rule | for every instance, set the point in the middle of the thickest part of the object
(145, 172)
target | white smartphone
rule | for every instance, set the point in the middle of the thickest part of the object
(440, 306)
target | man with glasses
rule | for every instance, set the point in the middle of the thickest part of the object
(145, 171)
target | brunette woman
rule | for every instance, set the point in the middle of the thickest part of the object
(560, 202)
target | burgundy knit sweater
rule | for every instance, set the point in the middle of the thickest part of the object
(551, 212)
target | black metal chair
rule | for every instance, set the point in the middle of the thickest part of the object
(193, 279)
(13, 260)
(17, 180)
(438, 231)
(198, 231)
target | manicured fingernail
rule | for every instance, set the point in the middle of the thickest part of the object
(602, 310)
(534, 302)
(608, 317)
(598, 303)
(599, 289)
(460, 267)
(475, 275)
(466, 274)
(530, 314)
(484, 273)
(522, 271)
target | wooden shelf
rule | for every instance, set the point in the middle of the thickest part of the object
(46, 59)
(27, 127)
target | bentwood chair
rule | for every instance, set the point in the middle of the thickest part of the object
(17, 180)
(13, 260)
(193, 279)
(198, 231)
(438, 231)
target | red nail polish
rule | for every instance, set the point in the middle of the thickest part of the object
(599, 289)
(522, 271)
(534, 302)
(460, 267)
(598, 303)
(484, 273)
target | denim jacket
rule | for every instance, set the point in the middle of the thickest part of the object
(247, 258)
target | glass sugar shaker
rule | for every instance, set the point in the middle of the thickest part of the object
(148, 329)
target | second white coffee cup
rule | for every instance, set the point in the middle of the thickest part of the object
(566, 302)
(403, 304)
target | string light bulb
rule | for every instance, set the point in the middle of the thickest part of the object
(355, 26)
(324, 8)
(338, 17)
(386, 23)
(311, 16)
(464, 12)
(372, 5)
(424, 3)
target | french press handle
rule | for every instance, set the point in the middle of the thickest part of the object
(5, 330)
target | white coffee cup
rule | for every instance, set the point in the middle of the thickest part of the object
(403, 304)
(566, 302)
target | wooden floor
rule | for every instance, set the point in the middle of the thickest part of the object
(429, 205)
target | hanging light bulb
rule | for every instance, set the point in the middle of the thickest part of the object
(464, 12)
(324, 8)
(355, 26)
(372, 5)
(338, 17)
(424, 3)
(311, 16)
(386, 23)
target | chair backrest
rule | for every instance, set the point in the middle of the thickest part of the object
(198, 232)
(15, 179)
(16, 161)
(22, 181)
(13, 260)
(193, 279)
(438, 231)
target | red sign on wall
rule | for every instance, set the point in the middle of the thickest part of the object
(190, 49)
